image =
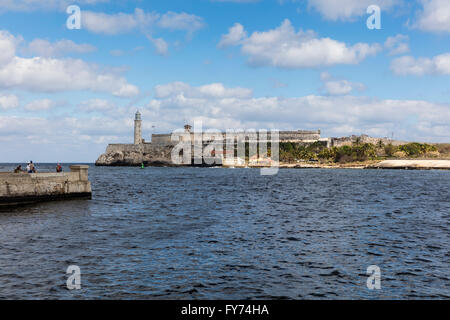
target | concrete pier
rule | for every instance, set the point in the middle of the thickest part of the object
(22, 188)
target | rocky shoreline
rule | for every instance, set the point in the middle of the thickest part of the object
(120, 159)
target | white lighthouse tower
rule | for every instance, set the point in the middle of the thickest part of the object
(137, 128)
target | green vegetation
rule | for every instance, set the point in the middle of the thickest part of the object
(417, 149)
(293, 152)
(412, 150)
(290, 152)
(390, 150)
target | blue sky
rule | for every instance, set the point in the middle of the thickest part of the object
(292, 64)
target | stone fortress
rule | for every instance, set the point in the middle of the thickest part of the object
(139, 152)
(158, 151)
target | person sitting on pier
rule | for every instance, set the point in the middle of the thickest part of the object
(18, 169)
(31, 168)
(59, 168)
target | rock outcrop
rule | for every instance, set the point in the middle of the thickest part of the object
(135, 155)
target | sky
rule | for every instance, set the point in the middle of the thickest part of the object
(65, 93)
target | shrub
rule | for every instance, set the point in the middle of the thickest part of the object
(343, 154)
(390, 150)
(417, 149)
(400, 154)
(327, 154)
(380, 144)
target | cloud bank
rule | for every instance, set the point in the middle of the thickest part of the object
(284, 47)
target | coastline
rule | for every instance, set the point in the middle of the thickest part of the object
(405, 164)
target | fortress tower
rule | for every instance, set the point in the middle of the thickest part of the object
(138, 128)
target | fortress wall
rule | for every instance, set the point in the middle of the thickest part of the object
(299, 135)
(155, 148)
(161, 139)
(17, 188)
(292, 136)
(114, 148)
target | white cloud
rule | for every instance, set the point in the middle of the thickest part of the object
(121, 88)
(397, 44)
(234, 36)
(435, 16)
(120, 53)
(214, 90)
(44, 48)
(180, 21)
(348, 9)
(97, 105)
(117, 23)
(8, 101)
(55, 75)
(7, 47)
(145, 22)
(34, 5)
(99, 22)
(407, 65)
(161, 46)
(283, 47)
(40, 105)
(334, 86)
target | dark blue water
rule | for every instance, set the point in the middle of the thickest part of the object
(170, 233)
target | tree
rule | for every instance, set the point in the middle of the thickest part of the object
(380, 144)
(390, 149)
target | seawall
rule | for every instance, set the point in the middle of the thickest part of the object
(22, 188)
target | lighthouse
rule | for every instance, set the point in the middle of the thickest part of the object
(137, 128)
